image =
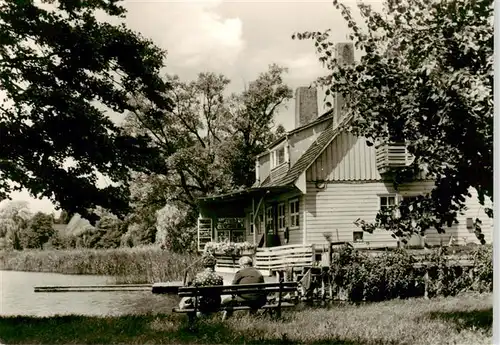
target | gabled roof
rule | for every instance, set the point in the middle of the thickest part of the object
(305, 160)
(308, 158)
(326, 116)
(303, 163)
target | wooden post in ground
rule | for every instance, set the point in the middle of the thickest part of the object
(279, 299)
(426, 281)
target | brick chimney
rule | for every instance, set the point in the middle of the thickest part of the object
(344, 53)
(306, 105)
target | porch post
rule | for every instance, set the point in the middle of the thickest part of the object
(265, 224)
(255, 216)
(304, 228)
(253, 222)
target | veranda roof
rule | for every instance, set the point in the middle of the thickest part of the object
(247, 193)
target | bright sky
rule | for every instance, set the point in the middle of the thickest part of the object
(236, 38)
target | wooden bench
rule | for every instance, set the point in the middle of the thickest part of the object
(273, 304)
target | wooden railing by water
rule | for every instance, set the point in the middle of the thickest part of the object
(95, 288)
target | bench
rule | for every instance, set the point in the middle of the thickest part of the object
(273, 304)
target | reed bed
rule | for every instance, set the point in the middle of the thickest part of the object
(127, 265)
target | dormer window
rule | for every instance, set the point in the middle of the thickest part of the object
(278, 156)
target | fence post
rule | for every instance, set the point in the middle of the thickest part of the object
(330, 254)
(426, 281)
(279, 299)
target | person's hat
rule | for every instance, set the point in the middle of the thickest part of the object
(208, 260)
(245, 260)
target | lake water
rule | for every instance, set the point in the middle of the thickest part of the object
(17, 297)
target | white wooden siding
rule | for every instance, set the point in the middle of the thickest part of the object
(334, 207)
(346, 158)
(459, 231)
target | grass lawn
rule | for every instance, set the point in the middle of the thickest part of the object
(465, 319)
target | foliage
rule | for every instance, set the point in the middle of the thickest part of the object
(14, 218)
(425, 78)
(108, 232)
(175, 231)
(228, 247)
(58, 241)
(126, 265)
(389, 275)
(63, 218)
(62, 68)
(483, 269)
(252, 119)
(209, 141)
(39, 231)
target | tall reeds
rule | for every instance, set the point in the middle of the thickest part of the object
(127, 265)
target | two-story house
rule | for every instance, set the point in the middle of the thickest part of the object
(319, 179)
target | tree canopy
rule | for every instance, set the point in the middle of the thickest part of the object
(208, 142)
(62, 73)
(426, 78)
(39, 231)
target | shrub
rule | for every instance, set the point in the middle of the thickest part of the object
(388, 275)
(175, 230)
(482, 280)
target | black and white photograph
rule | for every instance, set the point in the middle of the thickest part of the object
(248, 172)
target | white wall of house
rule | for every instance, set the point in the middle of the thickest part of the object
(344, 184)
(334, 207)
(264, 167)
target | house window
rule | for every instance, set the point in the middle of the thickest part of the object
(357, 236)
(269, 219)
(278, 157)
(470, 223)
(251, 223)
(294, 213)
(413, 198)
(387, 201)
(281, 216)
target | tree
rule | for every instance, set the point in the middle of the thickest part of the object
(425, 78)
(39, 231)
(175, 230)
(62, 72)
(209, 142)
(109, 232)
(14, 218)
(252, 120)
(63, 218)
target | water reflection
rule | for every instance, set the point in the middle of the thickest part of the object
(17, 297)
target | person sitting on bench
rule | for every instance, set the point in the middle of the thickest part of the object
(246, 275)
(206, 304)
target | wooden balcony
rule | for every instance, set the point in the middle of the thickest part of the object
(392, 156)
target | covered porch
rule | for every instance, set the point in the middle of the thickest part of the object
(241, 216)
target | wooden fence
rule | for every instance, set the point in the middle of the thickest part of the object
(284, 257)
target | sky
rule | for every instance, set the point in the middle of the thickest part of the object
(236, 38)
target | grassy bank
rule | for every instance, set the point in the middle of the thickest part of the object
(465, 319)
(128, 265)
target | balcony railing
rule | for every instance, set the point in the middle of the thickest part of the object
(392, 155)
